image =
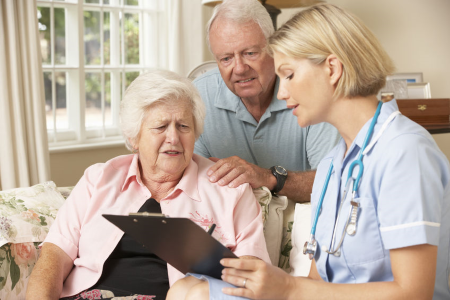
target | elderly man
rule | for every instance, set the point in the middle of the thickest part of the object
(250, 133)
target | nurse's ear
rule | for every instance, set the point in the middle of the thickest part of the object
(334, 68)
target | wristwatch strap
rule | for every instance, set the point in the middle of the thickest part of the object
(280, 174)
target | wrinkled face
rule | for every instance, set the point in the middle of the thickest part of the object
(305, 87)
(246, 68)
(166, 140)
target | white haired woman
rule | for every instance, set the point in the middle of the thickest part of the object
(86, 257)
(381, 197)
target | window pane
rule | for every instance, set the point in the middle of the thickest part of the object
(129, 77)
(131, 38)
(108, 116)
(62, 121)
(48, 99)
(106, 2)
(131, 2)
(60, 36)
(92, 37)
(92, 1)
(43, 14)
(106, 37)
(93, 111)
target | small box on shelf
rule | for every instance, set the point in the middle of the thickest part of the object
(433, 114)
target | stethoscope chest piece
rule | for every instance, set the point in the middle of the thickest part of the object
(310, 248)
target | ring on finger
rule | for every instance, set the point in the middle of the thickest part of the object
(243, 284)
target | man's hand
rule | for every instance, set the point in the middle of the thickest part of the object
(234, 171)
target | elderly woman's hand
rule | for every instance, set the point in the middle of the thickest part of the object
(262, 280)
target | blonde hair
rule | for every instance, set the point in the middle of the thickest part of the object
(157, 87)
(325, 29)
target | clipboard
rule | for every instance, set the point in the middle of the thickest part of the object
(178, 241)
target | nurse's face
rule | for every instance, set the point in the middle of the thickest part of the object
(306, 88)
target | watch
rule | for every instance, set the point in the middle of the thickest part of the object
(280, 174)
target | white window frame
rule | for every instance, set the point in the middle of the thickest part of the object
(152, 30)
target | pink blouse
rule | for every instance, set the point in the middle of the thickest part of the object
(115, 187)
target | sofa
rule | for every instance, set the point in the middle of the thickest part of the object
(26, 214)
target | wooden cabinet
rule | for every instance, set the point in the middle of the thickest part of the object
(433, 114)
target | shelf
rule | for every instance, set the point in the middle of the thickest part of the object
(436, 129)
(432, 114)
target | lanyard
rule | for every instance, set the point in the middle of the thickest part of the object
(364, 149)
(350, 227)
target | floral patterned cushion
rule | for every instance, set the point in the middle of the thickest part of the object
(26, 215)
(16, 263)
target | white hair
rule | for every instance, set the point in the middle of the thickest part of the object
(157, 87)
(242, 11)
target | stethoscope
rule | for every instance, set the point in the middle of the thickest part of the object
(350, 226)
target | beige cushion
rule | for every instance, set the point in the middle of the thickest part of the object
(300, 263)
(286, 245)
(273, 208)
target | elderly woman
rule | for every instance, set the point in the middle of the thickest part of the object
(85, 256)
(381, 228)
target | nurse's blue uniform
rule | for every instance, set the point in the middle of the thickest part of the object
(404, 198)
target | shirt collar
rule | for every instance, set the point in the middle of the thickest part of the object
(188, 183)
(133, 173)
(226, 99)
(386, 109)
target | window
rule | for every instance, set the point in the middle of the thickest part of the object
(91, 51)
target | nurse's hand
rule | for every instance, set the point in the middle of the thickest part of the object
(262, 280)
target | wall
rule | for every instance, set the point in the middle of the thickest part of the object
(67, 167)
(415, 33)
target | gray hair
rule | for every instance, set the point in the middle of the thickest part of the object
(157, 87)
(242, 11)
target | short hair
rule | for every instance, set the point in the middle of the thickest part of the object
(325, 29)
(242, 11)
(157, 87)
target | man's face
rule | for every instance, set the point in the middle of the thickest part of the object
(246, 68)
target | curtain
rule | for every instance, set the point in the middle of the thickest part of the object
(24, 156)
(186, 34)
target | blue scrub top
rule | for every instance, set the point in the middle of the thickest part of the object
(404, 199)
